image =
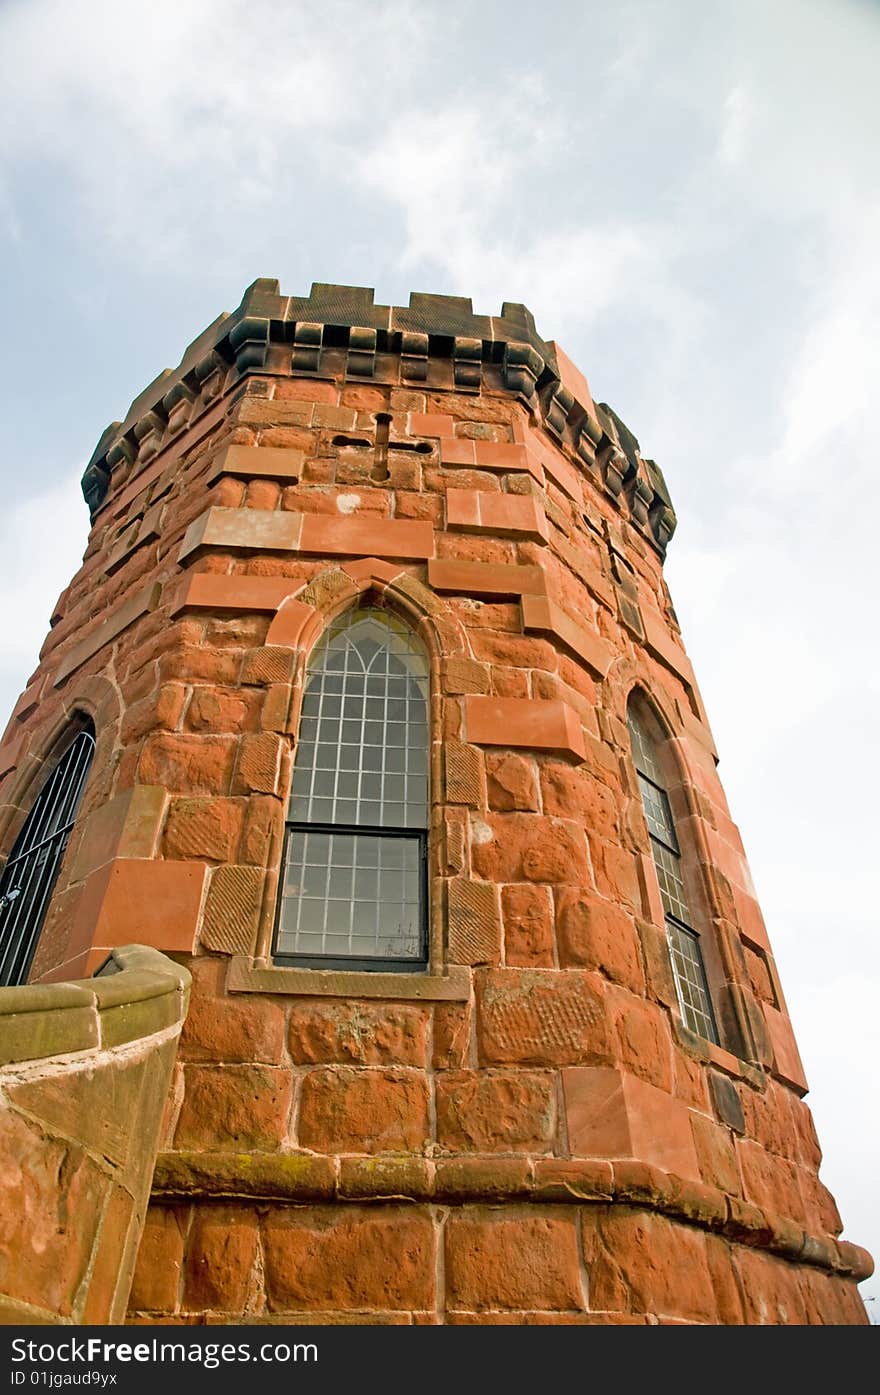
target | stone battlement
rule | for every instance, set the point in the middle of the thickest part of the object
(434, 343)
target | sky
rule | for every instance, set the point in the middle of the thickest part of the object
(686, 195)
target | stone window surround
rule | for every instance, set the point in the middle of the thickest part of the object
(93, 702)
(299, 622)
(737, 1052)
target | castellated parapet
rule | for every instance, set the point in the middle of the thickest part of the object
(485, 1025)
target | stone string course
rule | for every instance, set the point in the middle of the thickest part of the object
(526, 1132)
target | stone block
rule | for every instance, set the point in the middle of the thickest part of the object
(644, 1039)
(504, 515)
(355, 1111)
(218, 593)
(514, 1262)
(241, 1108)
(527, 916)
(474, 922)
(126, 826)
(259, 763)
(188, 764)
(496, 1112)
(131, 901)
(533, 723)
(221, 1253)
(257, 462)
(596, 934)
(643, 1263)
(156, 1284)
(232, 909)
(726, 1100)
(716, 1155)
(542, 1018)
(511, 782)
(528, 847)
(351, 1259)
(787, 1064)
(612, 1114)
(352, 1033)
(488, 579)
(203, 828)
(542, 616)
(47, 1230)
(230, 1031)
(462, 765)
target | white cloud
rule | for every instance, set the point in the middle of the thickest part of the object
(42, 539)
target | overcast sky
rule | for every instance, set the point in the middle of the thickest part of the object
(685, 193)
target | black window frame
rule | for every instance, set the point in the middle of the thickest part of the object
(32, 868)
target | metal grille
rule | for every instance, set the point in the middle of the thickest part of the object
(29, 876)
(354, 888)
(684, 942)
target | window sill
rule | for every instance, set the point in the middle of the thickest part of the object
(259, 976)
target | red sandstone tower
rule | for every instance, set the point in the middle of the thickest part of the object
(369, 707)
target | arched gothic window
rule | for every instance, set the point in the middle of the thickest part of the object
(32, 868)
(684, 940)
(354, 892)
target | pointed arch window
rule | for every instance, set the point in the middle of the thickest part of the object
(685, 951)
(32, 867)
(354, 890)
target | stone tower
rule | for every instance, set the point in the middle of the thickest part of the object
(394, 745)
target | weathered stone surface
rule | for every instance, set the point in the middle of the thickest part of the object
(527, 914)
(157, 1275)
(230, 1030)
(495, 1112)
(188, 764)
(349, 1259)
(770, 1289)
(235, 1107)
(527, 847)
(598, 934)
(46, 1230)
(642, 1263)
(369, 1034)
(534, 1018)
(221, 1251)
(518, 1262)
(344, 1110)
(511, 782)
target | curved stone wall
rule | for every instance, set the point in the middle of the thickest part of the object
(84, 1075)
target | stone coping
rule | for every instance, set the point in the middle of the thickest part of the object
(308, 1177)
(136, 993)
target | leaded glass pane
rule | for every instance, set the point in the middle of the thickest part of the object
(668, 865)
(643, 750)
(690, 981)
(658, 813)
(362, 753)
(357, 894)
(684, 945)
(352, 896)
